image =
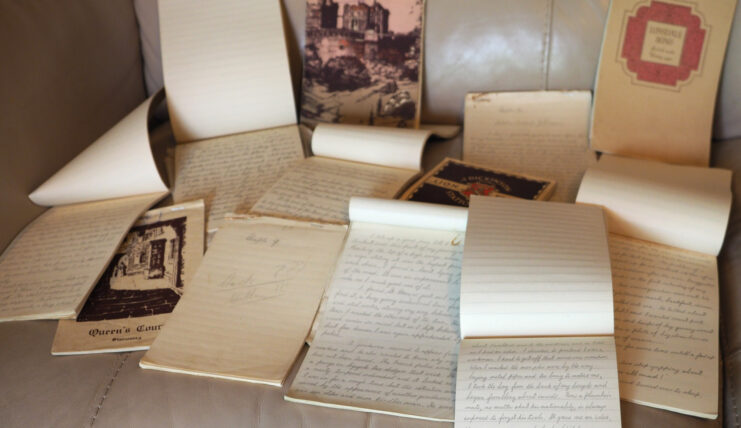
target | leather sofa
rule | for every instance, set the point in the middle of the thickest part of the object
(73, 68)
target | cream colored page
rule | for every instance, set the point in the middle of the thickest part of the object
(118, 164)
(680, 206)
(666, 326)
(231, 173)
(543, 134)
(564, 382)
(535, 269)
(225, 67)
(51, 266)
(320, 188)
(407, 213)
(132, 300)
(387, 341)
(392, 147)
(250, 306)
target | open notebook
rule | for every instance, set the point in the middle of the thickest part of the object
(667, 225)
(349, 160)
(141, 285)
(536, 318)
(388, 339)
(230, 99)
(51, 266)
(250, 305)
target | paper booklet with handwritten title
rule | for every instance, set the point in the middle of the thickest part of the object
(349, 160)
(657, 79)
(536, 318)
(140, 287)
(50, 268)
(251, 303)
(388, 337)
(667, 225)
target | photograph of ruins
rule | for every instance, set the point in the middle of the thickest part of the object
(362, 63)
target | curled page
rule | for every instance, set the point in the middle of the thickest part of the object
(680, 206)
(225, 67)
(98, 172)
(407, 214)
(393, 147)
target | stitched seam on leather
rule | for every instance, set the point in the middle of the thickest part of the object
(108, 388)
(546, 57)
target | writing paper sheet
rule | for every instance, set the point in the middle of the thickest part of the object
(388, 339)
(225, 67)
(532, 382)
(98, 172)
(141, 285)
(535, 269)
(680, 206)
(666, 326)
(543, 134)
(320, 188)
(51, 266)
(230, 173)
(251, 303)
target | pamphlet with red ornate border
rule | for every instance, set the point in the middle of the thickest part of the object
(658, 78)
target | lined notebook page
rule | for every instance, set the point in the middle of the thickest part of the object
(535, 269)
(54, 263)
(543, 134)
(231, 173)
(251, 304)
(225, 67)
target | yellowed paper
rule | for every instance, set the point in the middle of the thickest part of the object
(680, 206)
(51, 266)
(225, 67)
(563, 382)
(666, 326)
(543, 134)
(535, 269)
(134, 297)
(387, 341)
(250, 306)
(230, 173)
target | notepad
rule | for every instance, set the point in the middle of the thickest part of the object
(388, 338)
(536, 317)
(349, 160)
(251, 303)
(51, 266)
(666, 225)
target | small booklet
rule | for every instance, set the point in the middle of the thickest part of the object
(542, 134)
(667, 225)
(52, 265)
(536, 318)
(657, 79)
(248, 309)
(348, 161)
(388, 338)
(453, 182)
(230, 99)
(141, 285)
(363, 62)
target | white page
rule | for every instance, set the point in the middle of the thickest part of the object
(408, 214)
(564, 382)
(51, 266)
(680, 206)
(535, 269)
(666, 326)
(320, 188)
(543, 134)
(388, 339)
(230, 173)
(225, 67)
(392, 147)
(250, 306)
(118, 164)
